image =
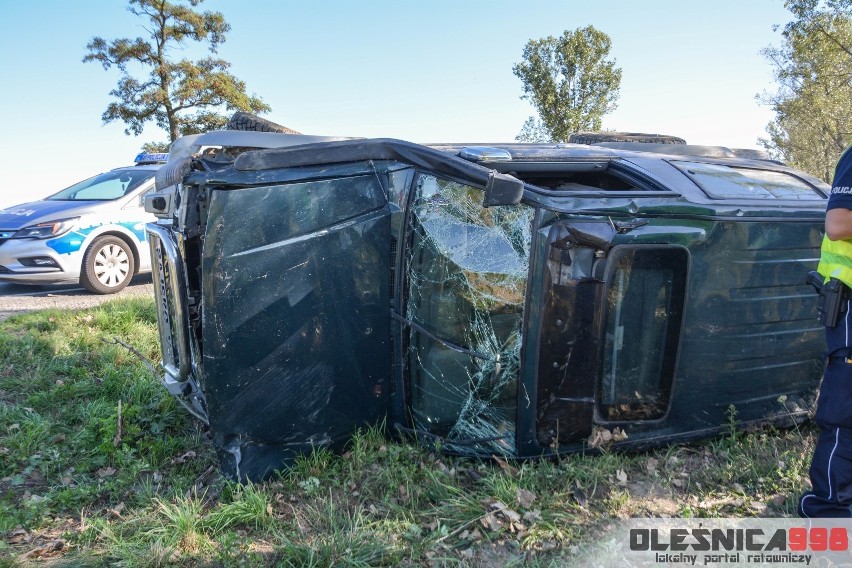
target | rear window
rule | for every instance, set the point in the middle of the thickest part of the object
(726, 182)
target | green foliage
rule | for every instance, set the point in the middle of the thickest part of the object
(179, 95)
(813, 67)
(570, 82)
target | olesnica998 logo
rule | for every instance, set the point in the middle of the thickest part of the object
(708, 546)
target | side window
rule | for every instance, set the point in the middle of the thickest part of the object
(725, 182)
(467, 273)
(644, 301)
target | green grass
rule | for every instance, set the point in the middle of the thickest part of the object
(83, 483)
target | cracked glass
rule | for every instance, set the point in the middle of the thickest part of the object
(467, 274)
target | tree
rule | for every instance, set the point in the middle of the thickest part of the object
(570, 83)
(180, 96)
(813, 104)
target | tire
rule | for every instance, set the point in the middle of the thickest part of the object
(595, 137)
(251, 122)
(108, 266)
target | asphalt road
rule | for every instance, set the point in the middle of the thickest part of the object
(17, 298)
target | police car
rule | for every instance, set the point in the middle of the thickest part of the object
(92, 232)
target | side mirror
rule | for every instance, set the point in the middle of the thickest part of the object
(158, 203)
(502, 189)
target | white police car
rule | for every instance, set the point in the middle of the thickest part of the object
(92, 232)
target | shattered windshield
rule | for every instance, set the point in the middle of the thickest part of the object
(467, 272)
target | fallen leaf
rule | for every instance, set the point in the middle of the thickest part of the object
(14, 426)
(618, 435)
(513, 516)
(600, 437)
(18, 536)
(183, 458)
(532, 516)
(116, 511)
(651, 465)
(677, 482)
(490, 522)
(525, 498)
(621, 475)
(778, 500)
(580, 496)
(49, 548)
(107, 472)
(506, 466)
(403, 492)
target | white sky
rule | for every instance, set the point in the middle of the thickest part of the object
(428, 71)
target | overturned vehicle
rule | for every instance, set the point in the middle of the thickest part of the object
(512, 300)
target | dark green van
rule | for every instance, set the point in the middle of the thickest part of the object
(517, 300)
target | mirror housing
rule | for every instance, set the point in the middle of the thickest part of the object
(502, 189)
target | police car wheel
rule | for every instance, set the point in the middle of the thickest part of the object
(108, 266)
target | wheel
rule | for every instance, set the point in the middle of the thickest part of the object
(595, 137)
(248, 121)
(107, 266)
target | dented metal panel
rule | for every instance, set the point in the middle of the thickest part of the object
(295, 317)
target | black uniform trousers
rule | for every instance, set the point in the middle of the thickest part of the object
(831, 467)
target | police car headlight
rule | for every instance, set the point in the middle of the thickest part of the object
(46, 230)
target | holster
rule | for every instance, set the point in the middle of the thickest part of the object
(833, 297)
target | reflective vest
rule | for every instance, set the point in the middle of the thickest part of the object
(835, 260)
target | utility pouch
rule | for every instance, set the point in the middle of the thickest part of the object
(832, 298)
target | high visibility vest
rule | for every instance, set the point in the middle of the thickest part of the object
(835, 260)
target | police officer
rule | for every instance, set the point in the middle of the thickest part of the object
(831, 467)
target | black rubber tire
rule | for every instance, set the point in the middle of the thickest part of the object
(595, 137)
(251, 122)
(108, 265)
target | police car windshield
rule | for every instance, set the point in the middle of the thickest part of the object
(105, 187)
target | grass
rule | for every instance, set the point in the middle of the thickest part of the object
(99, 466)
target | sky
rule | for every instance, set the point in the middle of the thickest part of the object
(426, 71)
